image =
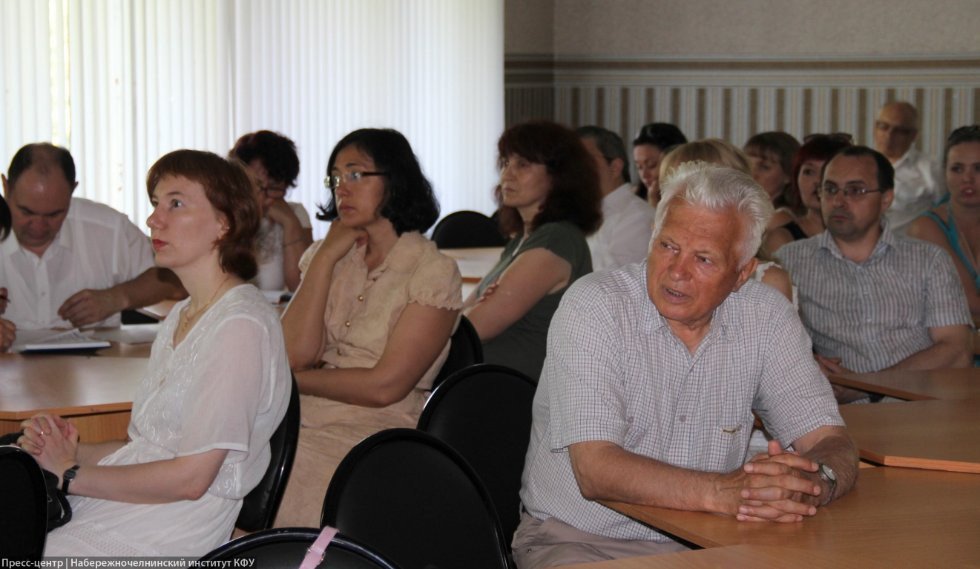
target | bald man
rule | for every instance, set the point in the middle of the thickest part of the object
(918, 178)
(69, 261)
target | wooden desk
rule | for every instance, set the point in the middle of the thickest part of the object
(476, 262)
(754, 556)
(937, 434)
(909, 517)
(916, 385)
(128, 341)
(96, 393)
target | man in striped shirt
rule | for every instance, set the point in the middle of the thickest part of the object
(870, 298)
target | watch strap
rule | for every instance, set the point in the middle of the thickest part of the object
(67, 477)
(830, 477)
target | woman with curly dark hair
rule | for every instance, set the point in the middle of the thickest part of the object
(271, 161)
(369, 326)
(549, 201)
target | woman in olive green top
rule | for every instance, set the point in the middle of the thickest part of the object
(549, 201)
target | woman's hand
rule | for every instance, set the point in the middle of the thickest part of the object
(339, 240)
(488, 292)
(52, 441)
(279, 212)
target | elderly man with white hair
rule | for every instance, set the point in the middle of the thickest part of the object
(652, 374)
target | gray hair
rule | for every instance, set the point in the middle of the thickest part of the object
(610, 145)
(718, 188)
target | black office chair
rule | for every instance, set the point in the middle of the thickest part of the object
(260, 506)
(417, 501)
(462, 229)
(484, 413)
(284, 548)
(465, 349)
(23, 506)
(131, 316)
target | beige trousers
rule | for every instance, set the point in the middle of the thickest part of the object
(549, 543)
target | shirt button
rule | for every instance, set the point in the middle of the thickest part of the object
(682, 418)
(347, 323)
(360, 297)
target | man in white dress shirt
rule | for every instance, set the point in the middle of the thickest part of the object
(627, 220)
(69, 261)
(918, 178)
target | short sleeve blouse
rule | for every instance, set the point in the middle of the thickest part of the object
(364, 305)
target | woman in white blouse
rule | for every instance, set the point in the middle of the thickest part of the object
(215, 389)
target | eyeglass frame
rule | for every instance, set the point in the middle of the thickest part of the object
(350, 178)
(850, 193)
(277, 189)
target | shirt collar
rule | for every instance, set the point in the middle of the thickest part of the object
(885, 242)
(402, 257)
(653, 321)
(620, 194)
(11, 245)
(908, 157)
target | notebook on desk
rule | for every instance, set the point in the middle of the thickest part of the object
(56, 341)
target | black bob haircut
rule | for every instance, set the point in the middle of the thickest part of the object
(409, 202)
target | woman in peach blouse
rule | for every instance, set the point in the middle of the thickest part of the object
(369, 326)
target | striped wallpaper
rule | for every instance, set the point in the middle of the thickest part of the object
(734, 99)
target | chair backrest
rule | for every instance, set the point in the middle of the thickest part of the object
(484, 413)
(23, 506)
(462, 229)
(284, 548)
(465, 349)
(260, 506)
(417, 501)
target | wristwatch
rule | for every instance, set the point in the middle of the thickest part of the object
(67, 477)
(828, 475)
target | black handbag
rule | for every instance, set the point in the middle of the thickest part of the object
(59, 510)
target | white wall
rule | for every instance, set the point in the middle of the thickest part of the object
(120, 83)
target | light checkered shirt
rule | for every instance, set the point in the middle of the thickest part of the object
(874, 314)
(616, 372)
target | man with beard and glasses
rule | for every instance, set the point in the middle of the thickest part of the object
(873, 299)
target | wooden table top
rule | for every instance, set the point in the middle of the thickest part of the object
(936, 434)
(66, 384)
(910, 517)
(754, 556)
(474, 263)
(961, 383)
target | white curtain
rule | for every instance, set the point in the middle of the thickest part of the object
(121, 82)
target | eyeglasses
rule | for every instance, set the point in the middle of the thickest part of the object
(850, 191)
(333, 182)
(897, 129)
(273, 190)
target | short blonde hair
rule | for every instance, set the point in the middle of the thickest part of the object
(710, 150)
